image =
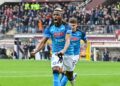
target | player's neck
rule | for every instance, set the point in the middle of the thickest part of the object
(58, 24)
(74, 30)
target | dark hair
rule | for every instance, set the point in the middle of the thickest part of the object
(72, 20)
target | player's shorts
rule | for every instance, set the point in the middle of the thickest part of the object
(69, 62)
(55, 61)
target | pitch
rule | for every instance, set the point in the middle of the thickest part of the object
(38, 73)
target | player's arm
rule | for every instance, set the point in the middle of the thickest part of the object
(43, 41)
(41, 45)
(67, 43)
(84, 38)
(67, 39)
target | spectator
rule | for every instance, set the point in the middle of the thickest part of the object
(25, 48)
(47, 51)
(33, 17)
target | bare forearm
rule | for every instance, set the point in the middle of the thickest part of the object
(41, 45)
(67, 43)
(85, 41)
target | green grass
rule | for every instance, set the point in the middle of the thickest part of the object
(38, 73)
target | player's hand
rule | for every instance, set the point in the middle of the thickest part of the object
(60, 55)
(62, 52)
(33, 54)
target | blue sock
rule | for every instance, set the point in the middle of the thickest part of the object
(64, 80)
(56, 79)
(62, 75)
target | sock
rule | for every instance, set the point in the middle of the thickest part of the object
(56, 79)
(64, 80)
(62, 75)
(72, 83)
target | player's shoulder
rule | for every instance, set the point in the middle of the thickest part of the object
(80, 32)
(49, 26)
(64, 23)
(67, 26)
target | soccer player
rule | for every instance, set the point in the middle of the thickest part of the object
(76, 36)
(59, 32)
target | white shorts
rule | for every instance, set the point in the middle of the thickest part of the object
(55, 61)
(69, 62)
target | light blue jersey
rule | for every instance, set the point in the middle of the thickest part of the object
(75, 41)
(57, 35)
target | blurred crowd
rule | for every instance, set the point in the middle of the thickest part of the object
(22, 50)
(33, 17)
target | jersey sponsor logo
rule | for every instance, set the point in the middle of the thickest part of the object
(74, 39)
(58, 34)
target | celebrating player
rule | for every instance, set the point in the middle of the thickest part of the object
(59, 32)
(76, 36)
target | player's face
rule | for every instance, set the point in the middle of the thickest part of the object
(73, 26)
(57, 16)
